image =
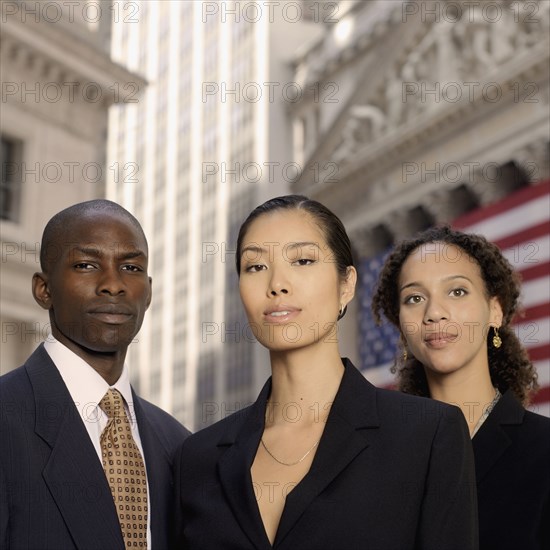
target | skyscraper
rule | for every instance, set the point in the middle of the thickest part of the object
(209, 141)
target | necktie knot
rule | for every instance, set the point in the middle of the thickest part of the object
(112, 404)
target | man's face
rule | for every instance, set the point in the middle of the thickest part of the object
(97, 288)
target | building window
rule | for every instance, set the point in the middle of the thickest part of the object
(10, 185)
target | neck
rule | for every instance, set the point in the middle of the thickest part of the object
(472, 393)
(304, 384)
(108, 364)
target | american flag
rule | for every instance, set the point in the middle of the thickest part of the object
(519, 225)
(377, 344)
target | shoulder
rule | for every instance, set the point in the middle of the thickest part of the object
(413, 409)
(510, 412)
(537, 421)
(162, 422)
(392, 408)
(17, 404)
(536, 428)
(37, 371)
(221, 432)
(527, 433)
(15, 380)
(16, 394)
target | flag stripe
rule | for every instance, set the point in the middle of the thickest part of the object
(511, 202)
(534, 313)
(525, 236)
(528, 254)
(539, 270)
(538, 353)
(542, 396)
(535, 292)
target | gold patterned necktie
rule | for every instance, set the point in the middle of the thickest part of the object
(125, 471)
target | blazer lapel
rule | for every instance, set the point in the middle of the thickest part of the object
(491, 441)
(345, 436)
(73, 473)
(158, 466)
(234, 470)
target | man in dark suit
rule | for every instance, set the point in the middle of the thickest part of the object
(54, 451)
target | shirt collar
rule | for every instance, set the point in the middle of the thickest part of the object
(86, 386)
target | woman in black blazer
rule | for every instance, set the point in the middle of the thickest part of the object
(453, 296)
(322, 460)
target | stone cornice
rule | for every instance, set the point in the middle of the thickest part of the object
(328, 59)
(66, 51)
(427, 128)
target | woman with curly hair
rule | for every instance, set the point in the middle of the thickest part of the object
(453, 297)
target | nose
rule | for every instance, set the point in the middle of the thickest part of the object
(111, 282)
(278, 284)
(275, 292)
(435, 312)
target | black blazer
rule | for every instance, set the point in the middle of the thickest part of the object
(392, 472)
(54, 493)
(512, 454)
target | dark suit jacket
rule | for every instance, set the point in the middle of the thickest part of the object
(512, 454)
(54, 493)
(392, 472)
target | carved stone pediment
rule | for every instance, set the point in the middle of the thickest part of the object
(445, 73)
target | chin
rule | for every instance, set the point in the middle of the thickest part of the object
(108, 345)
(280, 344)
(443, 370)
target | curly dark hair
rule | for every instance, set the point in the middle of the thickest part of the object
(509, 365)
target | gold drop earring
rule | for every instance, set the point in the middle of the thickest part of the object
(497, 340)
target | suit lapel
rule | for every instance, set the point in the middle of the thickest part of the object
(491, 441)
(344, 437)
(73, 472)
(158, 475)
(234, 470)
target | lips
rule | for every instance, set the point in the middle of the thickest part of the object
(281, 313)
(439, 336)
(439, 339)
(111, 313)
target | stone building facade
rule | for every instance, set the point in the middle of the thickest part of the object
(58, 81)
(427, 110)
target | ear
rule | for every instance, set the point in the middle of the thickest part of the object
(347, 286)
(150, 297)
(495, 312)
(41, 291)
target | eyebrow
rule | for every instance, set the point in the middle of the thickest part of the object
(446, 279)
(97, 253)
(302, 244)
(253, 248)
(291, 246)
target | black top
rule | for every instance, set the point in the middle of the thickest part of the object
(512, 455)
(392, 472)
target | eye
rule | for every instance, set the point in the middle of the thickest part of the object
(303, 261)
(132, 268)
(413, 299)
(458, 292)
(255, 268)
(84, 266)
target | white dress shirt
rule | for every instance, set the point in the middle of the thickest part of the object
(87, 388)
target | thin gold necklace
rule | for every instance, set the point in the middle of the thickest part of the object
(287, 463)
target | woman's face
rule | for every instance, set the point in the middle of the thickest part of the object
(289, 283)
(444, 312)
